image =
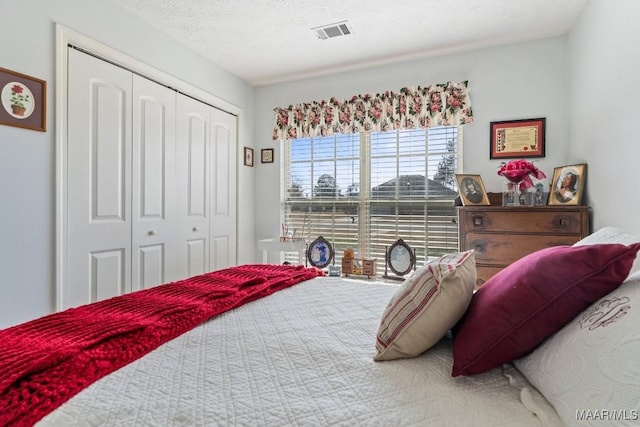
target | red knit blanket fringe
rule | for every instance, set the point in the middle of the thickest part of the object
(45, 362)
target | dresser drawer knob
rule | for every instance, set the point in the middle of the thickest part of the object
(479, 246)
(477, 220)
(565, 222)
(479, 282)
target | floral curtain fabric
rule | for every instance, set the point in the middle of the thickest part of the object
(421, 107)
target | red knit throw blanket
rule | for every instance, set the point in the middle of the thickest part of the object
(44, 362)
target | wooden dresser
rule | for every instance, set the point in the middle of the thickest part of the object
(500, 235)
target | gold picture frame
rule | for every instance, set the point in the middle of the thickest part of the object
(567, 185)
(471, 190)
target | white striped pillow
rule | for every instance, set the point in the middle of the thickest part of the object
(427, 305)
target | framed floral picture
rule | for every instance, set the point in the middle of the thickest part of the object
(23, 100)
(471, 190)
(248, 156)
(567, 185)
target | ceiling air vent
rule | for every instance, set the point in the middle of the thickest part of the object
(332, 30)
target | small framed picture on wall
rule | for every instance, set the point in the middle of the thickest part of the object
(23, 100)
(267, 155)
(248, 156)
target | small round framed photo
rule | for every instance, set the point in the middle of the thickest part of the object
(267, 155)
(320, 252)
(400, 258)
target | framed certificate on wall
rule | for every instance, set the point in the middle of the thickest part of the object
(517, 138)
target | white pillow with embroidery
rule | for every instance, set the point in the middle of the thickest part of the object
(590, 369)
(593, 364)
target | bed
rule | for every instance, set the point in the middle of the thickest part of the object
(303, 354)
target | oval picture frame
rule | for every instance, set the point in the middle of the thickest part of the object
(320, 252)
(400, 258)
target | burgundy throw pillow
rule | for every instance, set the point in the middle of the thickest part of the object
(530, 300)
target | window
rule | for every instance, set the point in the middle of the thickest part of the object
(364, 191)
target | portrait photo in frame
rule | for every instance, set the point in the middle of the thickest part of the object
(248, 156)
(23, 101)
(514, 139)
(471, 190)
(567, 185)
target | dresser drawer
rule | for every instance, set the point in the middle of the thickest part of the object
(484, 273)
(503, 249)
(501, 235)
(524, 221)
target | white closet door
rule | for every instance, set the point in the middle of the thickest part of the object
(153, 190)
(223, 189)
(98, 181)
(192, 185)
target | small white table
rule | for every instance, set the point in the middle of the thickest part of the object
(276, 245)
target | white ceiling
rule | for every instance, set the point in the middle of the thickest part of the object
(271, 41)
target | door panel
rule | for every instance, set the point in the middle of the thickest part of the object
(107, 274)
(151, 262)
(192, 186)
(221, 253)
(197, 146)
(197, 257)
(153, 190)
(223, 182)
(98, 181)
(108, 144)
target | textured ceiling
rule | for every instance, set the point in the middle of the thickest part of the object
(270, 41)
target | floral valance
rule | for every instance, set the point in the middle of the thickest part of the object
(421, 107)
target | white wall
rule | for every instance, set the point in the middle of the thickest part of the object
(27, 158)
(604, 109)
(512, 82)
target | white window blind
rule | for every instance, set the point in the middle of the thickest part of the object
(364, 191)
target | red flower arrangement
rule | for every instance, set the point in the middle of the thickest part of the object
(520, 171)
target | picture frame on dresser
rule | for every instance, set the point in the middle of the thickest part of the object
(567, 185)
(471, 190)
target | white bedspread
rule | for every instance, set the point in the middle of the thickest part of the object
(303, 357)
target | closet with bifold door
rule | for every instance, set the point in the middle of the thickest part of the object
(149, 183)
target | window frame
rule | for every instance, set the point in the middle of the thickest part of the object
(365, 199)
